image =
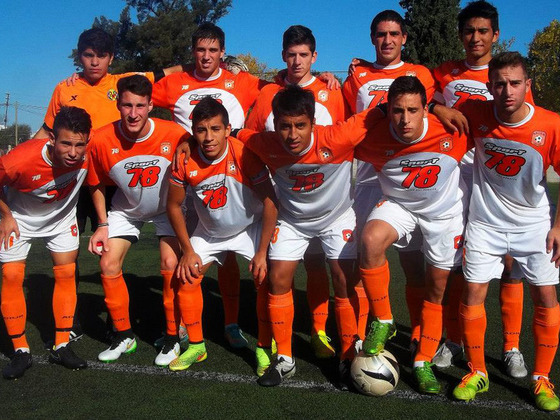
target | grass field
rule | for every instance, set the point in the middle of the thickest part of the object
(224, 385)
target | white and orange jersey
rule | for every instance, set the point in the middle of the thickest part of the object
(99, 100)
(180, 92)
(313, 187)
(509, 191)
(139, 168)
(42, 197)
(368, 86)
(422, 176)
(224, 198)
(329, 105)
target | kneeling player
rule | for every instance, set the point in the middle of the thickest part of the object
(42, 179)
(236, 207)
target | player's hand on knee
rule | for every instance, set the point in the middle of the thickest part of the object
(99, 241)
(553, 245)
(8, 225)
(189, 269)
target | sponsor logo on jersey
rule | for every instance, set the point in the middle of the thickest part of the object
(455, 71)
(482, 127)
(446, 144)
(348, 235)
(410, 73)
(506, 150)
(539, 137)
(132, 165)
(231, 168)
(372, 88)
(323, 96)
(363, 74)
(325, 155)
(112, 94)
(424, 162)
(193, 173)
(74, 230)
(185, 87)
(459, 87)
(114, 151)
(458, 241)
(165, 148)
(228, 84)
(389, 152)
(73, 98)
(36, 177)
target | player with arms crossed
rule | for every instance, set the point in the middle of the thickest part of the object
(134, 154)
(39, 201)
(236, 207)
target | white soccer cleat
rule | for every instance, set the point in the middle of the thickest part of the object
(447, 354)
(514, 363)
(168, 353)
(120, 346)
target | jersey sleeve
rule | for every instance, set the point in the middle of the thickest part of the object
(178, 177)
(159, 92)
(257, 118)
(352, 131)
(429, 83)
(253, 167)
(438, 88)
(97, 174)
(349, 90)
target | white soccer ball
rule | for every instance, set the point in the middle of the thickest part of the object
(375, 375)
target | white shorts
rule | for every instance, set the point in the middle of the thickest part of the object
(338, 243)
(66, 241)
(485, 249)
(121, 225)
(210, 248)
(442, 238)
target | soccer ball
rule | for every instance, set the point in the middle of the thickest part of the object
(375, 375)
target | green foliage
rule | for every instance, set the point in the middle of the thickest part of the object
(8, 135)
(544, 66)
(432, 31)
(258, 68)
(502, 46)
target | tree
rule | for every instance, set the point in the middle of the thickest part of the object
(544, 66)
(432, 31)
(502, 46)
(258, 68)
(8, 135)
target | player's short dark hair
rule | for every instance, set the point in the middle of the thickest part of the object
(293, 101)
(208, 30)
(137, 84)
(479, 9)
(98, 40)
(507, 59)
(208, 108)
(387, 16)
(71, 118)
(407, 85)
(298, 35)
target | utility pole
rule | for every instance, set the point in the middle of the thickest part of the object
(16, 127)
(6, 114)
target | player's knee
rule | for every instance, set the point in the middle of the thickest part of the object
(109, 266)
(168, 262)
(374, 244)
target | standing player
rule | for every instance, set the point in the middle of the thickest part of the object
(133, 154)
(366, 88)
(39, 201)
(236, 206)
(298, 52)
(510, 214)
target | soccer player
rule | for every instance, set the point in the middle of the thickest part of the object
(457, 81)
(417, 162)
(236, 206)
(133, 154)
(39, 201)
(510, 214)
(366, 88)
(298, 52)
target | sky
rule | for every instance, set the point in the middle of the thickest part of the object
(37, 37)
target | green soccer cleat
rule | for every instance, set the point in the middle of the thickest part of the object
(543, 392)
(263, 357)
(378, 335)
(426, 380)
(471, 384)
(322, 348)
(196, 353)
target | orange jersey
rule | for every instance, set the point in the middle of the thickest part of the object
(224, 199)
(41, 197)
(99, 100)
(180, 92)
(139, 168)
(329, 105)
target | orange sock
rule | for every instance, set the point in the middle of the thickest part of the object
(431, 326)
(64, 301)
(117, 300)
(347, 326)
(170, 307)
(363, 312)
(511, 303)
(376, 284)
(451, 310)
(191, 304)
(414, 301)
(13, 306)
(228, 282)
(281, 313)
(318, 294)
(546, 326)
(264, 338)
(473, 320)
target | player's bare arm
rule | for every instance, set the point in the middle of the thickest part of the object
(8, 224)
(101, 235)
(452, 120)
(183, 148)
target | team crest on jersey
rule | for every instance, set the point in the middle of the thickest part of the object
(228, 84)
(446, 144)
(325, 155)
(74, 230)
(458, 241)
(410, 73)
(539, 137)
(165, 148)
(348, 235)
(231, 168)
(112, 94)
(323, 96)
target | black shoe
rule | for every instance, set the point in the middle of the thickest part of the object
(278, 370)
(66, 357)
(17, 366)
(344, 377)
(76, 332)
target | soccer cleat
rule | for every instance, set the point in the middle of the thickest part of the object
(263, 357)
(76, 333)
(121, 345)
(358, 344)
(344, 377)
(234, 336)
(277, 372)
(447, 354)
(426, 380)
(273, 348)
(183, 338)
(21, 361)
(66, 357)
(543, 392)
(514, 363)
(169, 352)
(412, 349)
(196, 353)
(322, 348)
(473, 383)
(377, 336)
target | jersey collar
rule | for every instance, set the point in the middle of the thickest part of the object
(140, 140)
(391, 67)
(517, 124)
(475, 68)
(215, 161)
(208, 79)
